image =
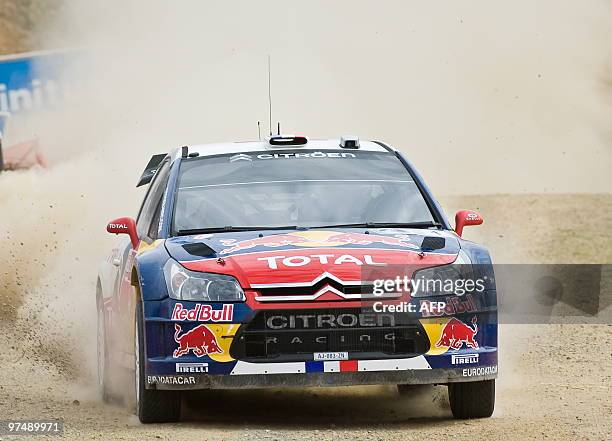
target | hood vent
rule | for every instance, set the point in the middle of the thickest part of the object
(199, 250)
(432, 243)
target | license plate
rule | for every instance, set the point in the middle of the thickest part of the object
(327, 356)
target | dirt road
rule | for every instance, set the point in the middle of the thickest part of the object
(554, 381)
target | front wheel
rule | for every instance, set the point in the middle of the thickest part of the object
(152, 406)
(102, 351)
(475, 399)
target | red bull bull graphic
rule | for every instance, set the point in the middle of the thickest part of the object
(455, 333)
(200, 340)
(317, 239)
(400, 240)
(274, 241)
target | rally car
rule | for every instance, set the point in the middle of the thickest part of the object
(293, 262)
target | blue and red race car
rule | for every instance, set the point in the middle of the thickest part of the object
(294, 262)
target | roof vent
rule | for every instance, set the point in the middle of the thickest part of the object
(349, 142)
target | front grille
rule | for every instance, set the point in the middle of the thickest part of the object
(296, 292)
(310, 290)
(294, 335)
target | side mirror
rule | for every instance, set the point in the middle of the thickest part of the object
(124, 225)
(465, 218)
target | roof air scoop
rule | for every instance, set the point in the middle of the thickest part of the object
(285, 140)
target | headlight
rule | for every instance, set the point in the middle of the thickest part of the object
(455, 279)
(201, 287)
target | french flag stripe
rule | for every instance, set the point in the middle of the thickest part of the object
(331, 366)
(314, 366)
(349, 366)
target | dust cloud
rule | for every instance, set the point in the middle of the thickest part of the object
(513, 95)
(484, 98)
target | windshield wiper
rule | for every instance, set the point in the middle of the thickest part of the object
(229, 228)
(193, 231)
(426, 224)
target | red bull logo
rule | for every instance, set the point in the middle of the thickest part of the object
(452, 305)
(316, 239)
(200, 340)
(455, 333)
(203, 313)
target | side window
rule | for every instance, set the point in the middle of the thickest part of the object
(152, 201)
(154, 226)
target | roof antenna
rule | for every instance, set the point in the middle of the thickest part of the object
(259, 130)
(270, 93)
(278, 128)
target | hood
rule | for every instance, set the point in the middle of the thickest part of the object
(290, 256)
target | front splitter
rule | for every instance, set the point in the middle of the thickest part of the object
(321, 379)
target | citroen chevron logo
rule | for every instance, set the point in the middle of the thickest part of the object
(327, 288)
(240, 157)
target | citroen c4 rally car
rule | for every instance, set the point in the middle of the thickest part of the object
(254, 265)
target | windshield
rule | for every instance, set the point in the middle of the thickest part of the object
(303, 189)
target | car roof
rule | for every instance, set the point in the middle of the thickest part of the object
(255, 146)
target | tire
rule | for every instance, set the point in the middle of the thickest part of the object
(152, 406)
(474, 399)
(104, 367)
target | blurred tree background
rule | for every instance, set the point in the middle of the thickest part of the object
(19, 19)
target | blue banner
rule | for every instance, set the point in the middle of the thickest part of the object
(30, 81)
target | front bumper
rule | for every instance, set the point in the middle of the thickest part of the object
(458, 347)
(322, 379)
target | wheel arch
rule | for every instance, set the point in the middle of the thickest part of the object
(147, 275)
(135, 282)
